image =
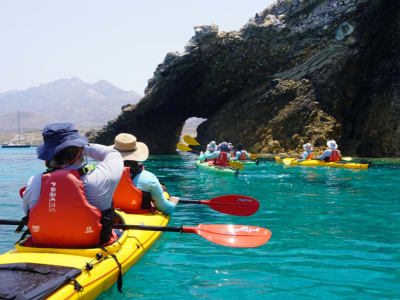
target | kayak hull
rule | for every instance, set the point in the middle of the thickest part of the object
(320, 163)
(215, 169)
(104, 272)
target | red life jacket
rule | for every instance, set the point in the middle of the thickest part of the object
(63, 217)
(128, 197)
(221, 160)
(310, 156)
(242, 156)
(335, 156)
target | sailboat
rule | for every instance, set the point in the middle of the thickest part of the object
(17, 145)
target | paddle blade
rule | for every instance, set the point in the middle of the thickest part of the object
(183, 147)
(190, 140)
(253, 156)
(241, 236)
(236, 205)
(288, 161)
(347, 158)
(236, 164)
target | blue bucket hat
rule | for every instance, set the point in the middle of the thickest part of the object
(56, 137)
(223, 147)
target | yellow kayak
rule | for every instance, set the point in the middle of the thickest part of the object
(38, 273)
(320, 163)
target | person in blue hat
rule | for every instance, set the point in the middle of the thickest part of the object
(70, 204)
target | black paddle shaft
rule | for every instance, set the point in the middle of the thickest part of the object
(150, 228)
(117, 226)
(189, 201)
(10, 222)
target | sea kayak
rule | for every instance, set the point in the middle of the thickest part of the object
(49, 273)
(216, 169)
(320, 163)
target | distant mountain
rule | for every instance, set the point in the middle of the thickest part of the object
(86, 105)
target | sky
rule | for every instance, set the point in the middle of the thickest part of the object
(121, 41)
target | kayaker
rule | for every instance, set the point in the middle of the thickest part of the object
(211, 152)
(138, 187)
(307, 154)
(70, 205)
(241, 154)
(332, 154)
(222, 154)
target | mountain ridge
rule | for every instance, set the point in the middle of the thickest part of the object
(84, 104)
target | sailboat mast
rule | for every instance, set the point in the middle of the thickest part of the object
(19, 131)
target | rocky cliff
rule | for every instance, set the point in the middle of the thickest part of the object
(300, 71)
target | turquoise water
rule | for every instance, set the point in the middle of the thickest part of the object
(335, 232)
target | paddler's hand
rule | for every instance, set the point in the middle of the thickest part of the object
(174, 200)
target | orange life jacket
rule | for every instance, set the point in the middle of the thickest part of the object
(335, 156)
(221, 160)
(127, 197)
(310, 156)
(63, 217)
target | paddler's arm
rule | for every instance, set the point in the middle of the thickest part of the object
(237, 155)
(32, 192)
(147, 181)
(203, 155)
(304, 156)
(247, 155)
(324, 155)
(101, 183)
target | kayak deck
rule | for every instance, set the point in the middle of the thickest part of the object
(216, 169)
(94, 270)
(320, 163)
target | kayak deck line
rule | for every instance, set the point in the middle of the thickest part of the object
(97, 275)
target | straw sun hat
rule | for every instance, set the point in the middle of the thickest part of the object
(130, 148)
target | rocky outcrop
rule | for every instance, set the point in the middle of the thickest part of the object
(300, 71)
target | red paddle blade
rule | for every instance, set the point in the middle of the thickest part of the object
(236, 205)
(241, 236)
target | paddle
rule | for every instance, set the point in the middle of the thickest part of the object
(242, 236)
(184, 148)
(236, 164)
(190, 140)
(347, 158)
(253, 156)
(236, 205)
(288, 161)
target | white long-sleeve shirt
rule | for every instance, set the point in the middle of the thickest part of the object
(99, 184)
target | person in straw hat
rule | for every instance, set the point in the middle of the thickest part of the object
(138, 188)
(70, 205)
(307, 154)
(332, 154)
